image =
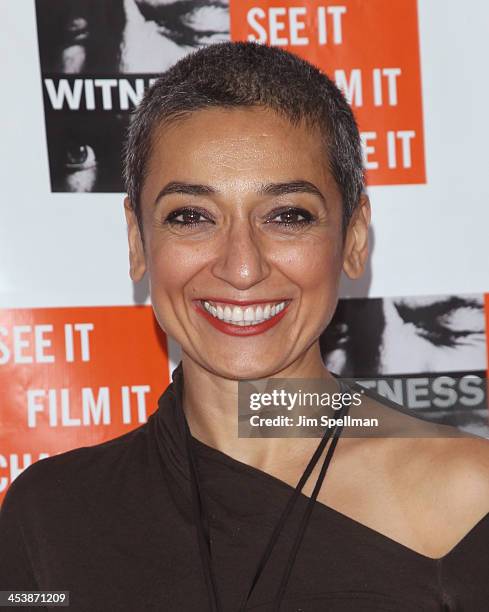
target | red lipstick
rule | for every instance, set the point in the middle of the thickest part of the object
(237, 330)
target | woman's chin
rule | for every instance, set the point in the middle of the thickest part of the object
(239, 368)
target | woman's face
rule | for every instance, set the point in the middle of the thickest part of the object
(240, 206)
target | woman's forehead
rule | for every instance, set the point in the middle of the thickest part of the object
(246, 143)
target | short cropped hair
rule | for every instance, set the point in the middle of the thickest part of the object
(246, 74)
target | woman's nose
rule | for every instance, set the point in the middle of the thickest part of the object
(241, 261)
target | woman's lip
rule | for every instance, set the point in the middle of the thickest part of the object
(238, 330)
(244, 302)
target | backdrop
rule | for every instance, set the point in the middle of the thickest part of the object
(81, 358)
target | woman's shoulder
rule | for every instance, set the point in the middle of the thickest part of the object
(446, 480)
(463, 467)
(74, 473)
(438, 475)
(458, 460)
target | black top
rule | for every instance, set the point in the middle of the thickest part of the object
(113, 524)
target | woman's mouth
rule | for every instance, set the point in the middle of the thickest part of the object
(242, 320)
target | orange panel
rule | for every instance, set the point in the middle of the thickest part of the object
(370, 47)
(72, 377)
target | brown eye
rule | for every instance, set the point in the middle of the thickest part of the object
(187, 216)
(293, 217)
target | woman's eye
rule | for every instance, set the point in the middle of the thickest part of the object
(187, 216)
(292, 217)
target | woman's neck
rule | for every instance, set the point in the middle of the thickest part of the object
(211, 408)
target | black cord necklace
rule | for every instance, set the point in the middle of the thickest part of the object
(202, 522)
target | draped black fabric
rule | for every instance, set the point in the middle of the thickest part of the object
(113, 524)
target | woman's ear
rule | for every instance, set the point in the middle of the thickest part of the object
(355, 251)
(137, 262)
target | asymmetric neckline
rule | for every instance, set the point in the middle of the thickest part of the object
(113, 523)
(213, 454)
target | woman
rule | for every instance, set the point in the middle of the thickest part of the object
(245, 203)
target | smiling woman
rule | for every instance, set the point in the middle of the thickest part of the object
(245, 203)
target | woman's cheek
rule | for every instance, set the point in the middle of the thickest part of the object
(314, 266)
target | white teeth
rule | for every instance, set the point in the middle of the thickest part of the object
(237, 314)
(249, 314)
(243, 317)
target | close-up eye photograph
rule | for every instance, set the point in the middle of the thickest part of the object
(244, 306)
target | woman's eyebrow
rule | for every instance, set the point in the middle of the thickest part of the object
(300, 186)
(185, 188)
(269, 189)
